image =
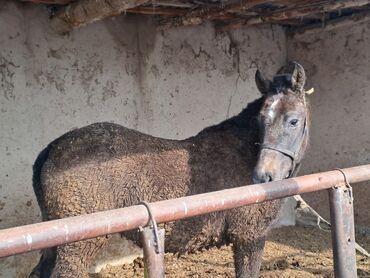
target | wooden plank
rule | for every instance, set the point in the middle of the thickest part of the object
(199, 16)
(298, 12)
(158, 11)
(51, 2)
(83, 12)
(175, 4)
(313, 8)
(329, 25)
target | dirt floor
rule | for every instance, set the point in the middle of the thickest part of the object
(290, 252)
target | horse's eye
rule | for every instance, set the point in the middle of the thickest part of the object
(293, 122)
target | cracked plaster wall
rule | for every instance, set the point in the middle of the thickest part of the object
(338, 67)
(169, 84)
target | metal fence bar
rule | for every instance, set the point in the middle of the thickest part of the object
(153, 259)
(343, 231)
(52, 233)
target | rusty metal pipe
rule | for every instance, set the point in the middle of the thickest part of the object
(154, 262)
(343, 231)
(52, 233)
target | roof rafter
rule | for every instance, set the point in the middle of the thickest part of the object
(51, 2)
(298, 12)
(228, 14)
(83, 12)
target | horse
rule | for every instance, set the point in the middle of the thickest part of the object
(105, 166)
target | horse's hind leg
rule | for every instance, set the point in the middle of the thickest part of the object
(45, 265)
(73, 259)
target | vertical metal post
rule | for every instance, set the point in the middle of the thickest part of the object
(153, 253)
(343, 231)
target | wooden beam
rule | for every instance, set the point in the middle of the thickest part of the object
(239, 23)
(314, 8)
(158, 11)
(165, 3)
(199, 16)
(83, 12)
(51, 2)
(329, 25)
(172, 3)
(297, 12)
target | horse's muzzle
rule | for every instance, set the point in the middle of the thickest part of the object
(261, 177)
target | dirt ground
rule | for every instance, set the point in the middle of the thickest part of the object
(290, 252)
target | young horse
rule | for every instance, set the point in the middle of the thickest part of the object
(105, 166)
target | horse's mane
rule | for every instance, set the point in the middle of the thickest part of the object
(244, 121)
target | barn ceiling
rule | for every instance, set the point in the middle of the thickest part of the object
(295, 15)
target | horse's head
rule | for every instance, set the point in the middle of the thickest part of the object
(283, 123)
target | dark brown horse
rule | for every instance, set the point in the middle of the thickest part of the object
(105, 166)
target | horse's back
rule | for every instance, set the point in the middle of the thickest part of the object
(99, 142)
(104, 166)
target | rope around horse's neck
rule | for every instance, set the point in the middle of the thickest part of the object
(303, 204)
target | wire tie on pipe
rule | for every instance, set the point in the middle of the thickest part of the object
(344, 176)
(154, 225)
(349, 188)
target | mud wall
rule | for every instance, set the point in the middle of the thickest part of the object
(169, 84)
(338, 67)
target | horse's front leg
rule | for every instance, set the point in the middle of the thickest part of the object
(248, 257)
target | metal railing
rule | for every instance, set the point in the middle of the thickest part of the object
(52, 233)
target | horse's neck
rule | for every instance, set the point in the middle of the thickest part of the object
(226, 137)
(220, 159)
(240, 128)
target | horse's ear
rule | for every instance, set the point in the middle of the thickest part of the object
(298, 77)
(263, 84)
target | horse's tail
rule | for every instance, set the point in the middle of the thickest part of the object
(36, 180)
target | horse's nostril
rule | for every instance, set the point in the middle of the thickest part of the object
(268, 177)
(262, 177)
(289, 174)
